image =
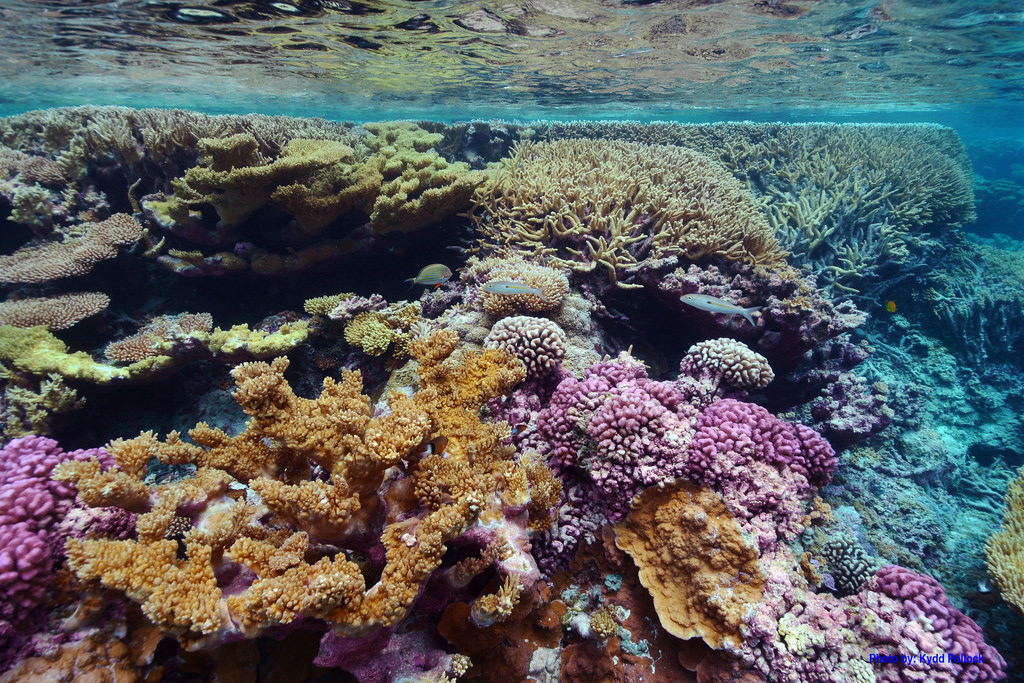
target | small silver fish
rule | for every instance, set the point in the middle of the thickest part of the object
(716, 305)
(511, 287)
(435, 274)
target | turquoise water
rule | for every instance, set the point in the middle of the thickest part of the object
(558, 340)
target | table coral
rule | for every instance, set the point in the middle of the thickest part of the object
(57, 312)
(75, 256)
(694, 559)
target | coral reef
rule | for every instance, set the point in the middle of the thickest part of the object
(505, 478)
(381, 497)
(601, 205)
(1005, 549)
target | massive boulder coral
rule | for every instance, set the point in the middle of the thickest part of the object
(273, 515)
(700, 569)
(538, 342)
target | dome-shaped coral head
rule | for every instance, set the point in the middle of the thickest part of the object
(534, 288)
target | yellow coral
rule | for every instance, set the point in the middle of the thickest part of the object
(236, 179)
(37, 351)
(322, 305)
(338, 432)
(701, 571)
(1005, 548)
(375, 332)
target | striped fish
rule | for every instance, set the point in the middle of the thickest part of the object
(434, 274)
(716, 305)
(511, 287)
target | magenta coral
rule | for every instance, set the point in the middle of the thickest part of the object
(765, 467)
(30, 505)
(622, 429)
(938, 626)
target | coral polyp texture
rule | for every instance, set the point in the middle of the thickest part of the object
(237, 446)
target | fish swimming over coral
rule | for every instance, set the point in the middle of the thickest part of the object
(509, 287)
(435, 274)
(715, 305)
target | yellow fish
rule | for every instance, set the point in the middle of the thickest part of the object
(435, 274)
(716, 305)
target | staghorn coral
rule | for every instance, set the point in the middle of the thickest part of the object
(56, 312)
(850, 201)
(538, 342)
(1005, 548)
(701, 571)
(608, 205)
(265, 474)
(74, 256)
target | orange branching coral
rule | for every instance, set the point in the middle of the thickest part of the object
(180, 595)
(256, 501)
(702, 573)
(1005, 549)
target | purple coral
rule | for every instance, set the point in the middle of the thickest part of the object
(766, 468)
(31, 503)
(937, 627)
(619, 428)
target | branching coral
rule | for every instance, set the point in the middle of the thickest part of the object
(30, 404)
(598, 204)
(379, 494)
(1005, 548)
(377, 329)
(75, 256)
